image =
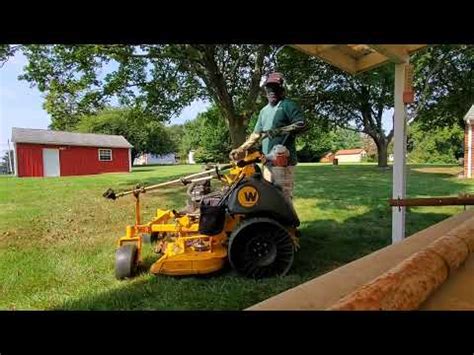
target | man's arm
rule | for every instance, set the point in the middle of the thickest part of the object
(297, 121)
(254, 137)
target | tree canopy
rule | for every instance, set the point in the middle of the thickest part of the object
(139, 128)
(444, 91)
(160, 79)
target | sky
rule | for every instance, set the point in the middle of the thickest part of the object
(21, 105)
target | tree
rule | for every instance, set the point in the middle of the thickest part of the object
(369, 146)
(7, 164)
(191, 137)
(444, 85)
(312, 145)
(439, 145)
(161, 79)
(7, 51)
(332, 97)
(208, 136)
(346, 139)
(139, 128)
(176, 132)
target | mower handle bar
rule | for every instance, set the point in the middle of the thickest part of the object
(201, 176)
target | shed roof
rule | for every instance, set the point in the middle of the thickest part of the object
(349, 151)
(43, 136)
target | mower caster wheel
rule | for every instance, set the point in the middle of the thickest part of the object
(126, 260)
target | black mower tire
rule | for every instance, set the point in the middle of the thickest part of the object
(126, 261)
(261, 247)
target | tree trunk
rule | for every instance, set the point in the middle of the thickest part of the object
(237, 129)
(382, 145)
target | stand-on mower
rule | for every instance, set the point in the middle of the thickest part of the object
(248, 222)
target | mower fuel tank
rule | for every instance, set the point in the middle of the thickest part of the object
(257, 197)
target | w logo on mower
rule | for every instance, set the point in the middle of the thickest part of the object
(251, 196)
(248, 196)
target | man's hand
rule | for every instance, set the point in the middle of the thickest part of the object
(237, 154)
(272, 133)
(297, 127)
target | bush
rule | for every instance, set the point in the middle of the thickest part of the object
(438, 146)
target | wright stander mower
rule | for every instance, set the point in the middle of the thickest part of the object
(248, 222)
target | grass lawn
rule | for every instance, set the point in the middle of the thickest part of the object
(58, 235)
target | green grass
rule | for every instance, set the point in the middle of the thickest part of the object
(57, 236)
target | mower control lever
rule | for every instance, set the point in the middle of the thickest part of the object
(242, 163)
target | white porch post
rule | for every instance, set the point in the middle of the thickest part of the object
(399, 147)
(469, 150)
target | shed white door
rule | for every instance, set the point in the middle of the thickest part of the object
(51, 162)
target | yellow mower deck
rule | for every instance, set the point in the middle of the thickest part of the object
(190, 262)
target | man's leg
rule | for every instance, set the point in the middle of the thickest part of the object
(267, 173)
(281, 176)
(290, 181)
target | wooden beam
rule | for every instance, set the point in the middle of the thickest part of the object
(313, 49)
(370, 61)
(325, 47)
(412, 48)
(331, 55)
(398, 54)
(434, 201)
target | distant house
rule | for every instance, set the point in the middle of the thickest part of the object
(40, 152)
(327, 158)
(147, 159)
(191, 157)
(469, 143)
(350, 155)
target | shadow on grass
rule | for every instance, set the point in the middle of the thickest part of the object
(325, 245)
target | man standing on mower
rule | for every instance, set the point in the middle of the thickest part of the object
(280, 120)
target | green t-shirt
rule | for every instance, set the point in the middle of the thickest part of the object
(282, 114)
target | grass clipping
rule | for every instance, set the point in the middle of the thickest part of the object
(410, 283)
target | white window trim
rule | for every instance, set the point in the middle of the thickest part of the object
(98, 154)
(15, 161)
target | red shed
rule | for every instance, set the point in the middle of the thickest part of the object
(40, 152)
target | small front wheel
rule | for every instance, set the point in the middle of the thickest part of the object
(126, 260)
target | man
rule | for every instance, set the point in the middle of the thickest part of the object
(281, 119)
